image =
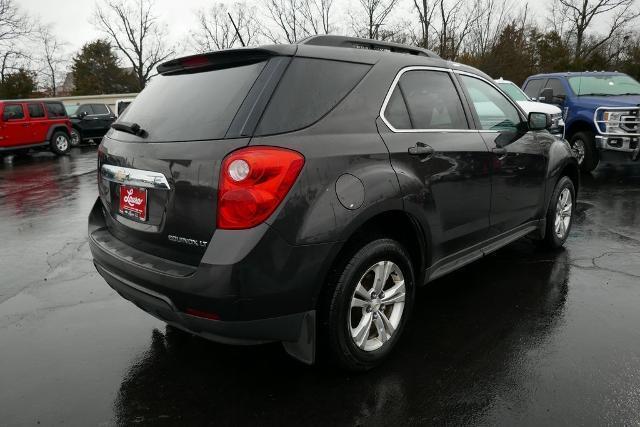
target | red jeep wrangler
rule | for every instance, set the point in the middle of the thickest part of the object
(34, 124)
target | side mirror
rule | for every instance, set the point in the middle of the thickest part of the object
(546, 95)
(539, 121)
(83, 114)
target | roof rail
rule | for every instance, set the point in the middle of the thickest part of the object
(358, 43)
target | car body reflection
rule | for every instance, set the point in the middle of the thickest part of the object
(464, 350)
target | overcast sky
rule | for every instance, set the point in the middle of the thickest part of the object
(72, 19)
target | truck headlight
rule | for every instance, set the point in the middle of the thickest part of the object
(613, 120)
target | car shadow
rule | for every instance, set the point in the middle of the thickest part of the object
(468, 342)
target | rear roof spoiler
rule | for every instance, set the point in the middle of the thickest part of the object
(224, 58)
(358, 43)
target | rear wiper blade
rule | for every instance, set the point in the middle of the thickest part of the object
(132, 128)
(597, 94)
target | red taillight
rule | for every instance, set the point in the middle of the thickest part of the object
(253, 182)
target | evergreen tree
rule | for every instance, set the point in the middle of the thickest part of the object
(19, 84)
(96, 70)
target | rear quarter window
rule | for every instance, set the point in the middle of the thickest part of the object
(309, 89)
(55, 110)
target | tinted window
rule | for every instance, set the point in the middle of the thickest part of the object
(84, 109)
(309, 89)
(100, 109)
(396, 112)
(557, 87)
(13, 112)
(533, 88)
(432, 100)
(194, 106)
(55, 109)
(493, 109)
(36, 111)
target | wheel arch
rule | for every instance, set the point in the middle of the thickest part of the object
(578, 125)
(56, 128)
(405, 229)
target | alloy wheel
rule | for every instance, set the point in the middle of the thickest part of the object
(377, 305)
(75, 138)
(563, 213)
(62, 143)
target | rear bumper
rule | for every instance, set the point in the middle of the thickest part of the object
(266, 291)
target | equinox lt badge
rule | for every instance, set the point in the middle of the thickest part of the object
(190, 242)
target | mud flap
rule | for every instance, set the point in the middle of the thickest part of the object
(305, 348)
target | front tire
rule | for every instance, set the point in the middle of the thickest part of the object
(367, 304)
(560, 214)
(76, 137)
(584, 147)
(60, 143)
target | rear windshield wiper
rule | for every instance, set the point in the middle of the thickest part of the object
(132, 128)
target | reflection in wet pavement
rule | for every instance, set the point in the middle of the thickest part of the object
(522, 336)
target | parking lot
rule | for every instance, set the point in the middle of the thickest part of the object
(518, 337)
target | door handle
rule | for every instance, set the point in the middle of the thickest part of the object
(421, 149)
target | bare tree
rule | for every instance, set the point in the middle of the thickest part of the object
(457, 19)
(426, 10)
(14, 27)
(580, 15)
(289, 20)
(370, 16)
(493, 17)
(317, 14)
(215, 29)
(137, 33)
(52, 58)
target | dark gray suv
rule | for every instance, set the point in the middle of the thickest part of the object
(300, 193)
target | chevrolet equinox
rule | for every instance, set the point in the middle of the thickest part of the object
(300, 193)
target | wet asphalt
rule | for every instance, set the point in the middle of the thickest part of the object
(521, 337)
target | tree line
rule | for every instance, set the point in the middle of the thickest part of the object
(504, 38)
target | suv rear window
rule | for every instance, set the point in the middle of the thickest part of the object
(309, 89)
(192, 106)
(55, 109)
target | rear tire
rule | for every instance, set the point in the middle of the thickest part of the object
(60, 143)
(362, 318)
(560, 214)
(584, 147)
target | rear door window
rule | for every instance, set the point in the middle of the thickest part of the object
(396, 112)
(55, 109)
(432, 100)
(309, 89)
(191, 106)
(13, 112)
(36, 111)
